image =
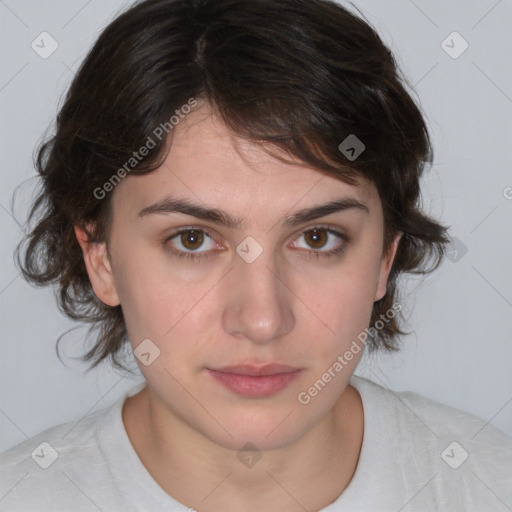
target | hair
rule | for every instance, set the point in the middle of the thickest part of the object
(297, 75)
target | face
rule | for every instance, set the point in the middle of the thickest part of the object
(276, 288)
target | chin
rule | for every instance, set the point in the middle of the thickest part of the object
(266, 430)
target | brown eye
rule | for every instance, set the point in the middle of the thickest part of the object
(193, 244)
(316, 238)
(192, 239)
(322, 242)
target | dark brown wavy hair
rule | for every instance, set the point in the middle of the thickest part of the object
(299, 75)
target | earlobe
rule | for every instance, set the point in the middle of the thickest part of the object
(98, 268)
(385, 268)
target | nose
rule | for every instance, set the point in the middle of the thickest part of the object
(259, 302)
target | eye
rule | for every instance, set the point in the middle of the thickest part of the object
(323, 238)
(190, 239)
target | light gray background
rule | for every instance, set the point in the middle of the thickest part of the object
(460, 352)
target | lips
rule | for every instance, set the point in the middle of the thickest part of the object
(254, 381)
(258, 371)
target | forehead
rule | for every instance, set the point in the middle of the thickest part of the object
(208, 164)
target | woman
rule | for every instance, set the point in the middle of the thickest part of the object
(233, 191)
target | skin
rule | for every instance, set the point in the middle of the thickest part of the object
(284, 307)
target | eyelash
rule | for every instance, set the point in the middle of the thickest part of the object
(196, 257)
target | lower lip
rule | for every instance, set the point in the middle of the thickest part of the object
(254, 386)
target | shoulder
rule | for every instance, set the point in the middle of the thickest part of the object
(411, 409)
(49, 467)
(459, 456)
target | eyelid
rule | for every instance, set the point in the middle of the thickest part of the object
(327, 227)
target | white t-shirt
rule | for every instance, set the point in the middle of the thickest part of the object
(417, 455)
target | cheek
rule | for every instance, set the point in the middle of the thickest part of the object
(342, 312)
(148, 303)
(344, 301)
(161, 305)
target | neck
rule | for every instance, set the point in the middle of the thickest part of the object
(309, 473)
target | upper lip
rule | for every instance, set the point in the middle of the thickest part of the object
(258, 370)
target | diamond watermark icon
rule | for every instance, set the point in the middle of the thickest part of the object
(249, 249)
(454, 455)
(249, 455)
(45, 455)
(44, 45)
(146, 352)
(454, 45)
(456, 250)
(352, 147)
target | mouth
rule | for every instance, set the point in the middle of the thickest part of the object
(255, 381)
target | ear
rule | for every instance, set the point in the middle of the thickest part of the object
(99, 268)
(385, 267)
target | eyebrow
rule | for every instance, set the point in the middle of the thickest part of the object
(217, 216)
